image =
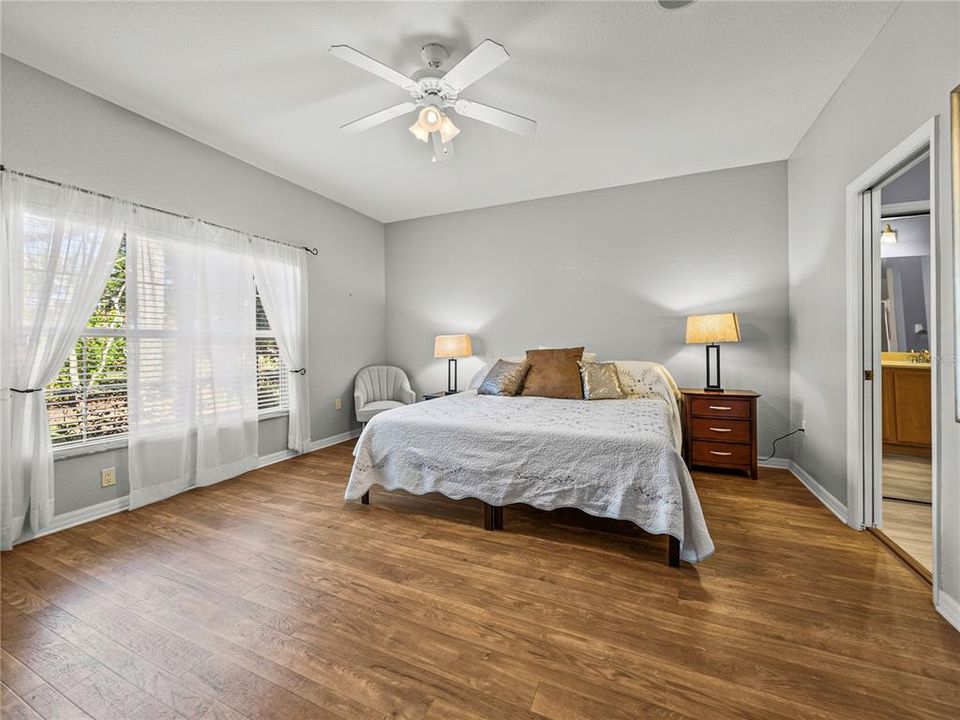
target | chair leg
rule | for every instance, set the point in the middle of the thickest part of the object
(498, 518)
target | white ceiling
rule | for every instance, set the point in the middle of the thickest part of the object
(624, 92)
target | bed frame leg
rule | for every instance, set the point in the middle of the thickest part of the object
(492, 517)
(673, 552)
(488, 523)
(365, 498)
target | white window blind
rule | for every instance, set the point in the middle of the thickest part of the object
(273, 376)
(87, 401)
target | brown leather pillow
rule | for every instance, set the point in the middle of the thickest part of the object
(554, 374)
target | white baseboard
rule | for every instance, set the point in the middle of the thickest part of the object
(815, 488)
(949, 608)
(334, 440)
(84, 515)
(276, 457)
(782, 463)
(111, 507)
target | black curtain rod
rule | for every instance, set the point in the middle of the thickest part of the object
(4, 168)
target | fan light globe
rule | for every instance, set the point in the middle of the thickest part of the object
(419, 132)
(448, 131)
(430, 119)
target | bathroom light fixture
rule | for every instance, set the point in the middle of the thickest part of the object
(888, 236)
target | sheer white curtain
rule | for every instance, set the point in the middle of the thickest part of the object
(281, 275)
(57, 249)
(227, 430)
(162, 256)
(191, 362)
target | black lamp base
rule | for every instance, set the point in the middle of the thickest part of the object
(713, 378)
(451, 376)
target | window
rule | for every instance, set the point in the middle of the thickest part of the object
(87, 401)
(88, 398)
(273, 377)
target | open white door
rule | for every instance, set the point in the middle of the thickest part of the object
(872, 442)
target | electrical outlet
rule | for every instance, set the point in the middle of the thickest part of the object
(803, 426)
(108, 477)
(336, 404)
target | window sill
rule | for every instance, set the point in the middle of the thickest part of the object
(120, 442)
(90, 448)
(271, 414)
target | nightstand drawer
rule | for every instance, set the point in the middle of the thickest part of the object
(721, 429)
(720, 407)
(718, 453)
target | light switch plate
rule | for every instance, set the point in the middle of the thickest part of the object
(336, 404)
(108, 477)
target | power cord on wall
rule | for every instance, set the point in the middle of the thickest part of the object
(782, 437)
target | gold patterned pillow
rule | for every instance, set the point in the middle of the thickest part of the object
(600, 381)
(504, 378)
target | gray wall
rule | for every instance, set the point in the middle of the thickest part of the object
(912, 186)
(616, 270)
(55, 130)
(916, 59)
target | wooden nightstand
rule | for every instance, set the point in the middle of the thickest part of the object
(440, 394)
(720, 429)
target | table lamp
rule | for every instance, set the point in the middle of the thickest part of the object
(713, 329)
(452, 347)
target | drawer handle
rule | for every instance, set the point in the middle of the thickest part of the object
(717, 452)
(720, 407)
(722, 429)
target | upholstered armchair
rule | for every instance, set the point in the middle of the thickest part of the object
(378, 388)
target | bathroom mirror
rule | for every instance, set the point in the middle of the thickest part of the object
(955, 194)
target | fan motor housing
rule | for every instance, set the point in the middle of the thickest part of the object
(434, 55)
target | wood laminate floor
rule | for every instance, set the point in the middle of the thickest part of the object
(910, 526)
(269, 597)
(907, 478)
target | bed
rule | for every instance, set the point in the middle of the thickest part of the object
(609, 458)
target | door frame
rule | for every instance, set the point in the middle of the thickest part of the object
(860, 438)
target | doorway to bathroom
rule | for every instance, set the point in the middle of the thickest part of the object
(892, 459)
(906, 477)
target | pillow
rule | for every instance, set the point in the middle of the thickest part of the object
(480, 375)
(554, 374)
(587, 355)
(600, 381)
(504, 378)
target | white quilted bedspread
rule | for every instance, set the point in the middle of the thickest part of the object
(609, 458)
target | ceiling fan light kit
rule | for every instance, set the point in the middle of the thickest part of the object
(433, 92)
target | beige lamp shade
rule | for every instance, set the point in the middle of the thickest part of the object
(452, 346)
(722, 327)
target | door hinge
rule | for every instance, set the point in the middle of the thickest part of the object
(868, 375)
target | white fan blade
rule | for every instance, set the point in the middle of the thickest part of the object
(441, 150)
(485, 57)
(495, 116)
(365, 123)
(364, 62)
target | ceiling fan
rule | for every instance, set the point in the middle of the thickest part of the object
(433, 92)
